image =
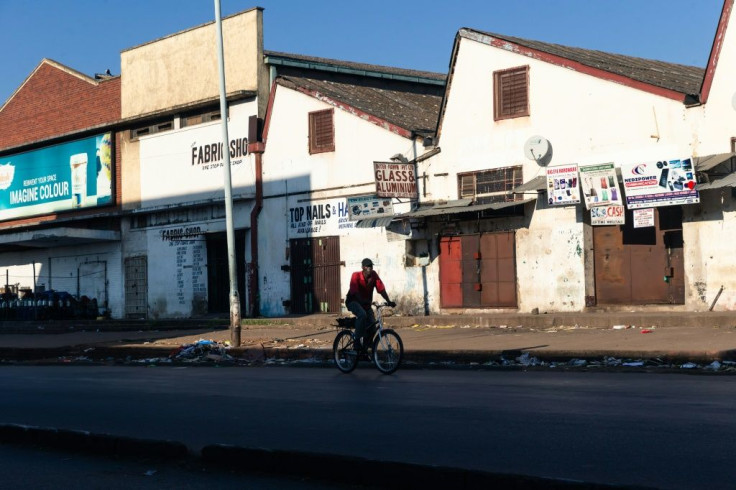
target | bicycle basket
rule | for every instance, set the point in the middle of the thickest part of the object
(346, 322)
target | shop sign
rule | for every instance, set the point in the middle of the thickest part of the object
(660, 183)
(563, 187)
(395, 180)
(324, 217)
(600, 185)
(364, 207)
(57, 178)
(607, 215)
(643, 218)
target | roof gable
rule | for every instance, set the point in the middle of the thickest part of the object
(55, 101)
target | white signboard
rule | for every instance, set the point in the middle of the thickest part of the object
(563, 188)
(364, 207)
(600, 185)
(395, 180)
(324, 217)
(607, 215)
(662, 183)
(644, 218)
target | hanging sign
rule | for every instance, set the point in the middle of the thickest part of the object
(600, 185)
(363, 207)
(395, 180)
(562, 185)
(662, 183)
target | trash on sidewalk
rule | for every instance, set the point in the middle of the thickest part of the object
(620, 327)
(203, 350)
(689, 365)
(526, 360)
(577, 362)
(647, 330)
(713, 366)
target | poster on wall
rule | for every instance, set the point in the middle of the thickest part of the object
(607, 215)
(661, 183)
(600, 185)
(363, 207)
(643, 218)
(63, 177)
(563, 187)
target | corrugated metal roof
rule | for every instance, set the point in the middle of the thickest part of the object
(703, 164)
(460, 206)
(680, 78)
(414, 107)
(538, 183)
(727, 181)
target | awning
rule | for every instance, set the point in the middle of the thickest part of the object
(703, 164)
(57, 237)
(727, 181)
(374, 222)
(538, 183)
(460, 206)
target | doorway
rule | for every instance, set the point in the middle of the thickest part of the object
(218, 276)
(315, 275)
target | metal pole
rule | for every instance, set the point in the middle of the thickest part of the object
(232, 269)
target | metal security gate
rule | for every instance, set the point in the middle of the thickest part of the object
(637, 266)
(93, 282)
(315, 275)
(136, 287)
(478, 271)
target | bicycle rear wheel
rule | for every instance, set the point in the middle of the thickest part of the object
(345, 357)
(388, 351)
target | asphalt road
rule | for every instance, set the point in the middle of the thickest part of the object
(658, 430)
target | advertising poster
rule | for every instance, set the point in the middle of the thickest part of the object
(563, 187)
(607, 215)
(63, 177)
(643, 218)
(662, 183)
(324, 217)
(600, 185)
(364, 207)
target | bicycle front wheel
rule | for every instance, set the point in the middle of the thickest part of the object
(343, 352)
(388, 351)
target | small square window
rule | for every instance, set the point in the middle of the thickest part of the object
(511, 93)
(321, 131)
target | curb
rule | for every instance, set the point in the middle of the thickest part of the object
(322, 466)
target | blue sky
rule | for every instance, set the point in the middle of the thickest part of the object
(88, 35)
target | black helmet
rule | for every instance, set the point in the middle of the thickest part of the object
(367, 263)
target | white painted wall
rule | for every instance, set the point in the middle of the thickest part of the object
(293, 177)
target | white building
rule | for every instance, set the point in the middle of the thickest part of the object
(491, 248)
(327, 123)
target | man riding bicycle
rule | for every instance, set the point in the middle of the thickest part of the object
(360, 297)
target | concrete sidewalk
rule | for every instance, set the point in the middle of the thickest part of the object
(663, 336)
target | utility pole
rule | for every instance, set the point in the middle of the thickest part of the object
(232, 268)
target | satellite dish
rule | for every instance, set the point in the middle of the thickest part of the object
(536, 148)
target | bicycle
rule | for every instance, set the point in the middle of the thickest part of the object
(386, 350)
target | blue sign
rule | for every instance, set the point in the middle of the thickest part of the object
(63, 177)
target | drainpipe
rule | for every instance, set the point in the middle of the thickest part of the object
(254, 297)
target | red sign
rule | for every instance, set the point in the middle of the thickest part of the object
(395, 180)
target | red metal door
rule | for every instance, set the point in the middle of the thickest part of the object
(451, 295)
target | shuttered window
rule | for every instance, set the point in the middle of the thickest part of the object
(321, 131)
(487, 186)
(511, 93)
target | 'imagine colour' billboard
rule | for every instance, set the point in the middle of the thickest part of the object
(63, 177)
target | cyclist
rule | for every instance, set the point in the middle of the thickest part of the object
(360, 297)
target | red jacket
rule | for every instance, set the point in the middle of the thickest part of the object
(361, 289)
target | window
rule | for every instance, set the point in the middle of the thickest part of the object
(511, 93)
(151, 129)
(199, 118)
(321, 131)
(487, 186)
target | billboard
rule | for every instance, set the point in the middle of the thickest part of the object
(662, 183)
(600, 186)
(563, 187)
(364, 207)
(63, 177)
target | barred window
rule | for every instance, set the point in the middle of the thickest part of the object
(487, 186)
(511, 93)
(321, 131)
